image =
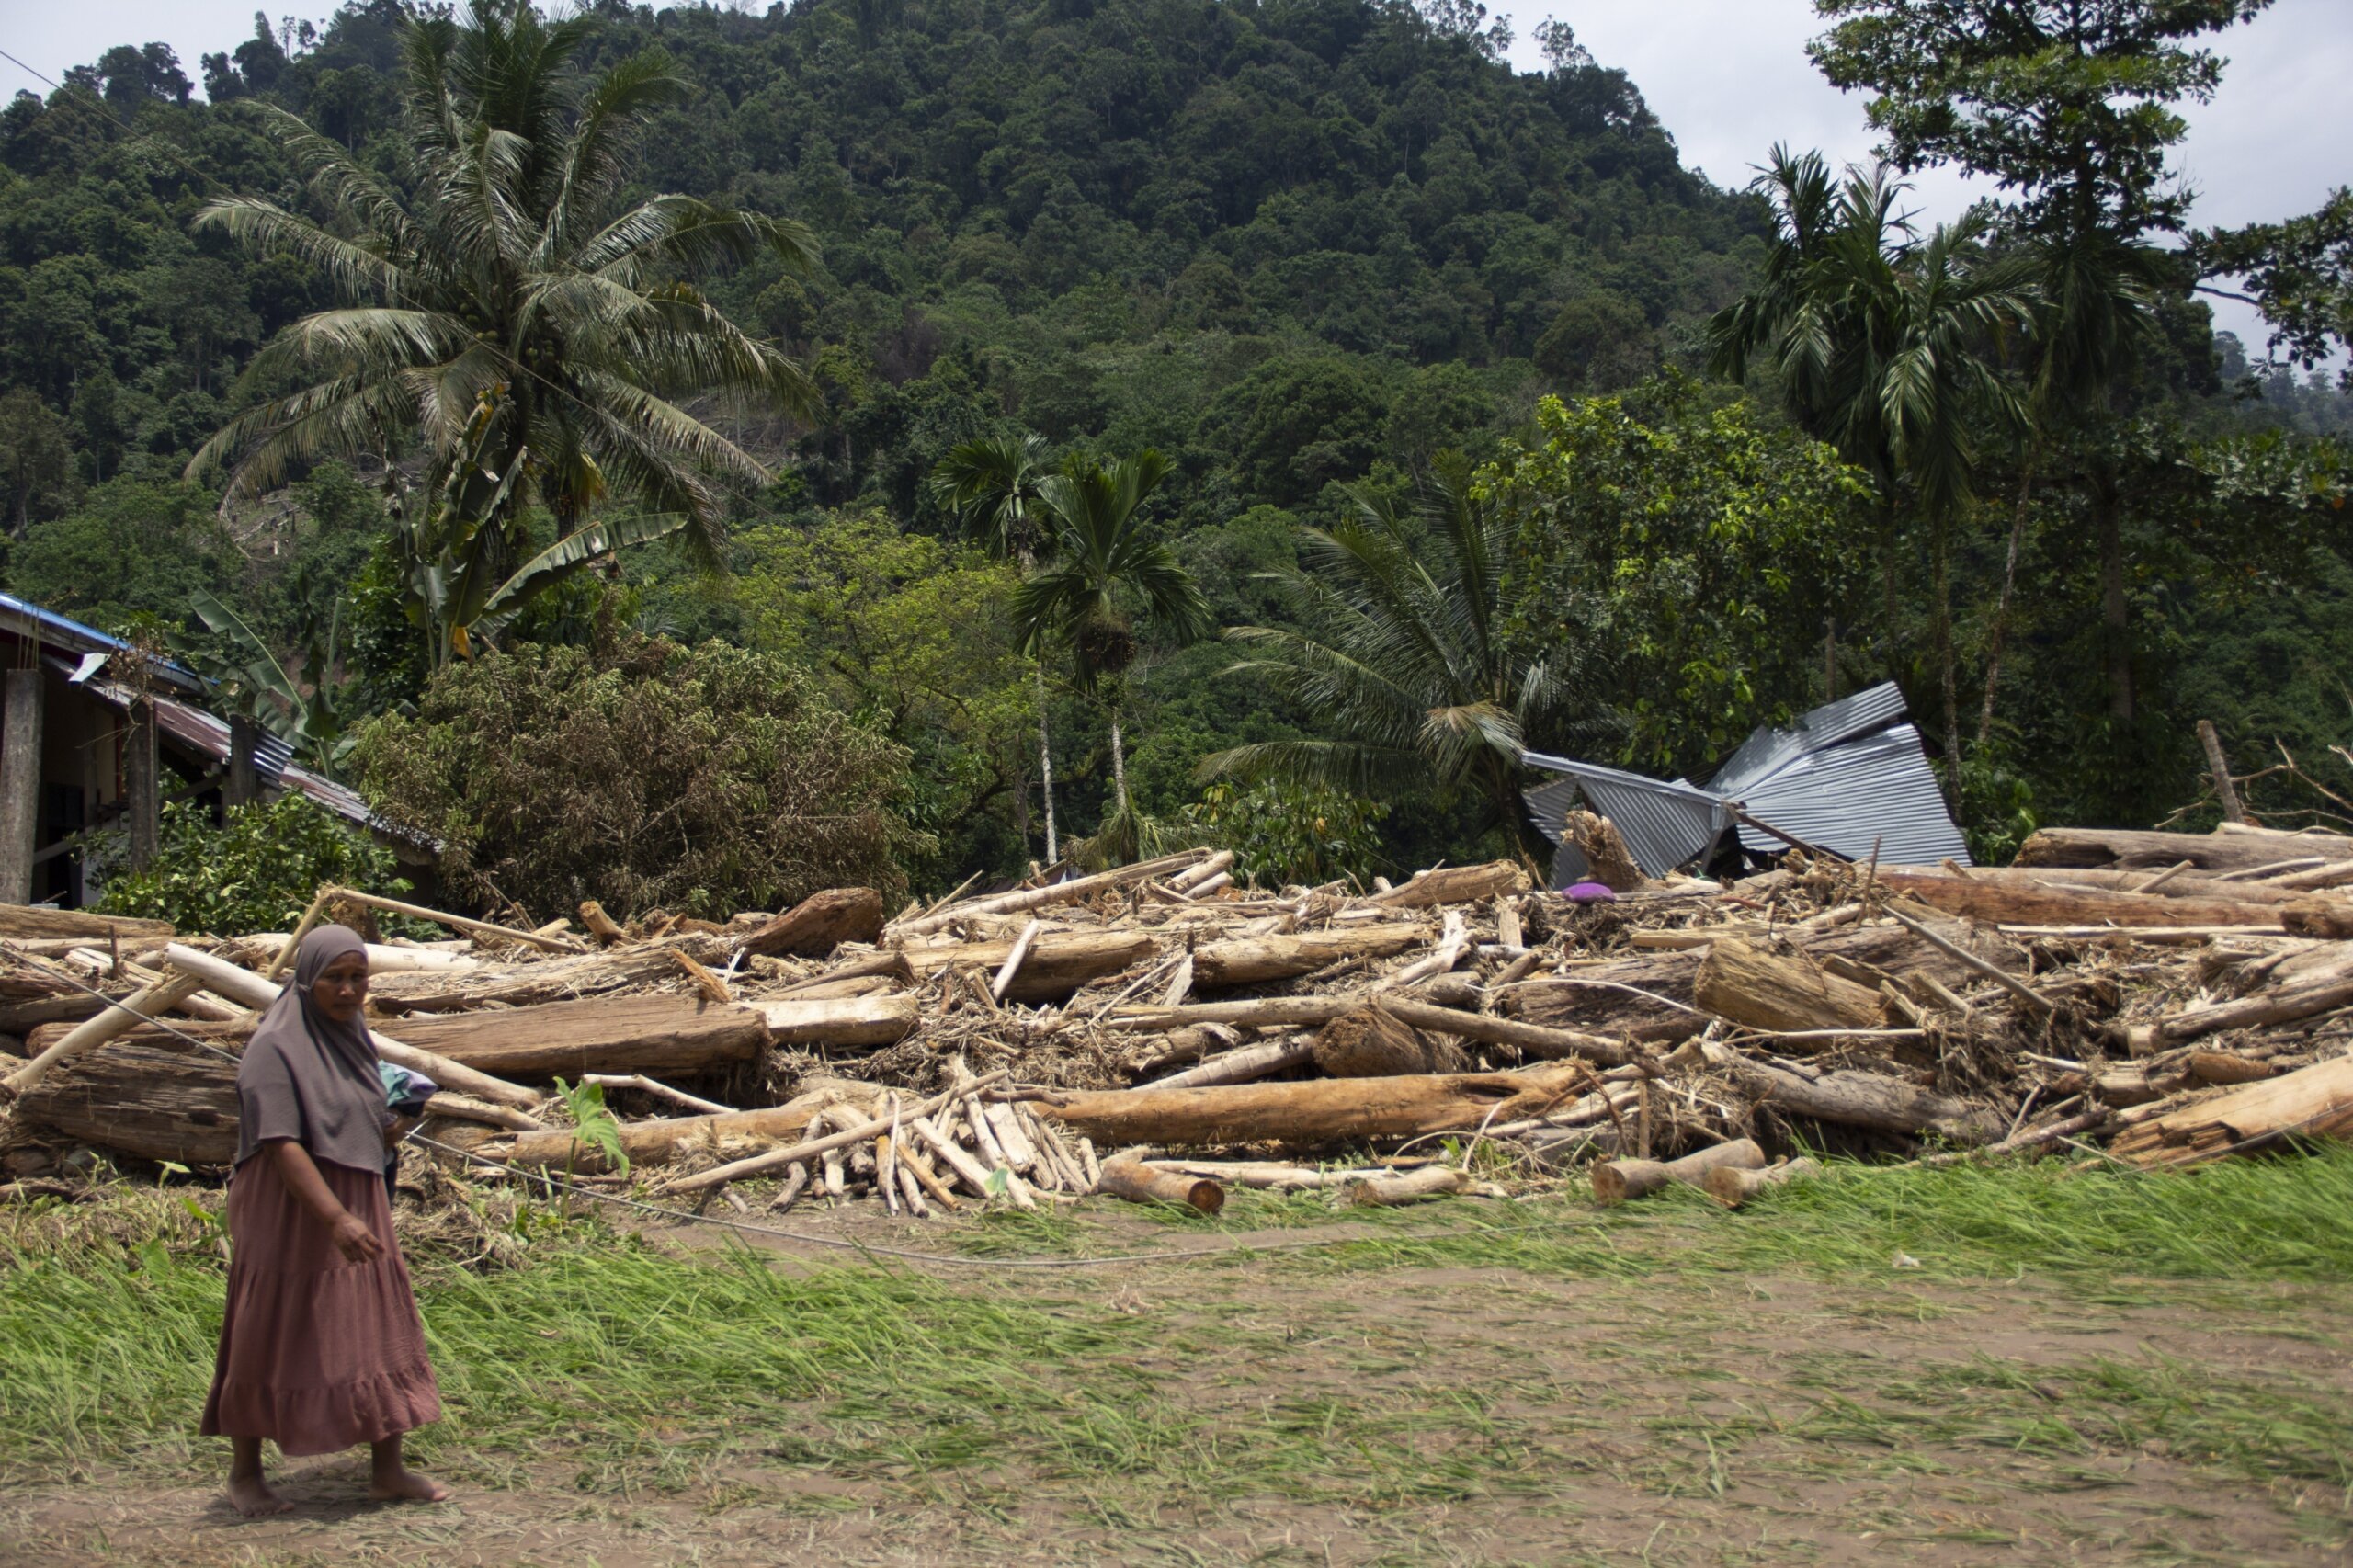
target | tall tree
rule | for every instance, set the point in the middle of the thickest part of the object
(1888, 347)
(1405, 652)
(993, 486)
(1100, 571)
(497, 303)
(2066, 105)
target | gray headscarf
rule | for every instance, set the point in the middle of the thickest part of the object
(306, 1077)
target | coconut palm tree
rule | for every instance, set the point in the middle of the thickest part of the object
(991, 485)
(1403, 651)
(503, 312)
(1099, 571)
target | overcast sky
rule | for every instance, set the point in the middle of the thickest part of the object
(1728, 77)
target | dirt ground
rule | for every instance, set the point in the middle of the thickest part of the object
(1447, 1411)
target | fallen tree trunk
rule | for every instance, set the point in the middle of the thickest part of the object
(154, 1098)
(2264, 1009)
(93, 1032)
(1614, 1181)
(2205, 851)
(1240, 1066)
(38, 921)
(1254, 960)
(1858, 1099)
(1766, 991)
(1395, 1189)
(2014, 903)
(846, 1022)
(1057, 964)
(661, 1141)
(820, 923)
(527, 984)
(2079, 879)
(1315, 1112)
(654, 1034)
(2313, 1102)
(1455, 885)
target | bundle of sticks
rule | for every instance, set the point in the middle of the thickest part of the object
(2172, 996)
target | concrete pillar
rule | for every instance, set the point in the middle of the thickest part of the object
(19, 784)
(245, 786)
(142, 795)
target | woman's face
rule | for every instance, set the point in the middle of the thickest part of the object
(341, 991)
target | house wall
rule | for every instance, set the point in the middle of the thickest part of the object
(81, 771)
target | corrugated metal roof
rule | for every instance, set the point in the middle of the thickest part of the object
(1839, 778)
(1768, 751)
(67, 632)
(1879, 789)
(1664, 824)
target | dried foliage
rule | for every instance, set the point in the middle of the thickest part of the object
(696, 780)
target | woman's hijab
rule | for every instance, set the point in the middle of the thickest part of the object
(309, 1078)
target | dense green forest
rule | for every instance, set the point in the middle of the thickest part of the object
(1408, 328)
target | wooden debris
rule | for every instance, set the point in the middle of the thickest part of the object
(1614, 1181)
(1733, 1185)
(1140, 1183)
(820, 923)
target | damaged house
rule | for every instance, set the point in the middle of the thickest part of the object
(90, 740)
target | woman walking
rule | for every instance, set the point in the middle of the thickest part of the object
(321, 1348)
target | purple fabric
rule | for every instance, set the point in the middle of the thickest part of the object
(1590, 893)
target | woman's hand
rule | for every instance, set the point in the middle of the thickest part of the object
(355, 1240)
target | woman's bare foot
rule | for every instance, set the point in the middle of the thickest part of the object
(404, 1486)
(253, 1497)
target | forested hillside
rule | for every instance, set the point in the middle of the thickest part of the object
(1291, 246)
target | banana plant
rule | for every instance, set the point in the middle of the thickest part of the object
(249, 680)
(454, 559)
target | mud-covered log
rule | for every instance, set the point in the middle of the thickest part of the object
(1311, 1113)
(820, 923)
(1374, 1042)
(1254, 960)
(1767, 991)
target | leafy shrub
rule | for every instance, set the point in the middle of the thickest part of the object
(1283, 832)
(698, 781)
(256, 873)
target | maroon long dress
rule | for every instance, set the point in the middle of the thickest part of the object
(317, 1352)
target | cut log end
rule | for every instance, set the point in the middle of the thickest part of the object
(1138, 1182)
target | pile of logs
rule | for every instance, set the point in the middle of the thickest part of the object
(1163, 1030)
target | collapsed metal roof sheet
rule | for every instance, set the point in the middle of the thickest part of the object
(1664, 824)
(1840, 777)
(1876, 792)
